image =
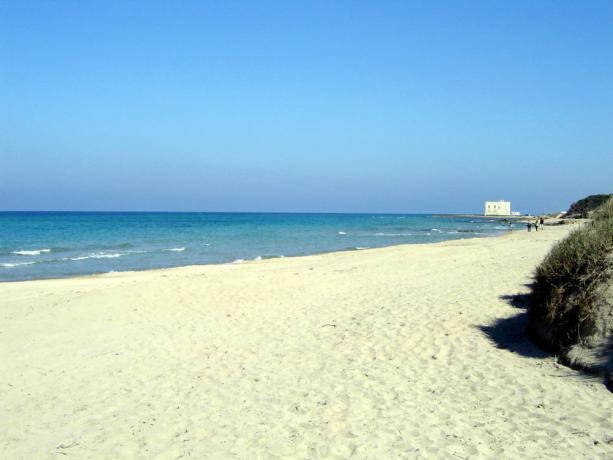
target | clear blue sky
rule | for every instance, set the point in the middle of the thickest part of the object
(382, 106)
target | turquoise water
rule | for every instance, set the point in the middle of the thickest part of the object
(57, 244)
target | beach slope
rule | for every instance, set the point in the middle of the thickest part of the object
(411, 351)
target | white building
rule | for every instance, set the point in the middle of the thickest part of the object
(498, 208)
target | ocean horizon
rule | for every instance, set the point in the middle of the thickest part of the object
(59, 244)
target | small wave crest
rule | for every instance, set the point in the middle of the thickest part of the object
(17, 264)
(32, 252)
(342, 233)
(101, 255)
(96, 255)
(175, 249)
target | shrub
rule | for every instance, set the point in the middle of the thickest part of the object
(561, 305)
(583, 207)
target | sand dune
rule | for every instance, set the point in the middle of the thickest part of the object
(405, 352)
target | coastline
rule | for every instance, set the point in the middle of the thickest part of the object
(259, 258)
(64, 245)
(407, 350)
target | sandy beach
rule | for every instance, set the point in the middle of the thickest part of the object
(410, 351)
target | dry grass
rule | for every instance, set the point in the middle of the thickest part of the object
(561, 306)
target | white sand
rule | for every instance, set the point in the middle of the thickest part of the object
(371, 354)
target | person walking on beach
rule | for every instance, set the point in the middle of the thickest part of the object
(529, 226)
(536, 225)
(542, 222)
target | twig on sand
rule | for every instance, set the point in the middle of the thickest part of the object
(67, 446)
(332, 325)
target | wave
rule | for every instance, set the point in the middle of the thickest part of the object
(238, 261)
(33, 252)
(97, 255)
(342, 233)
(360, 248)
(175, 249)
(265, 257)
(18, 264)
(101, 255)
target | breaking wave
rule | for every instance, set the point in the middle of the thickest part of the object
(33, 252)
(18, 264)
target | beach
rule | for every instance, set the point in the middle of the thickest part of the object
(409, 351)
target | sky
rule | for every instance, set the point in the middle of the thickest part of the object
(318, 106)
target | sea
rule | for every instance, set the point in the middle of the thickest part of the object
(39, 245)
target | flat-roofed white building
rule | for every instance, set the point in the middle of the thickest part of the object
(498, 208)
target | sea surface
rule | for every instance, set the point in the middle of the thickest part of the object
(37, 245)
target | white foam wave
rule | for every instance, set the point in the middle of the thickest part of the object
(435, 230)
(175, 249)
(238, 261)
(258, 258)
(361, 248)
(34, 252)
(9, 265)
(96, 255)
(102, 255)
(342, 233)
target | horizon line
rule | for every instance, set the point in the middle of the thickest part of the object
(235, 212)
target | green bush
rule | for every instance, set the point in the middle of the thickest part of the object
(562, 299)
(583, 207)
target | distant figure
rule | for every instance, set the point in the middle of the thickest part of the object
(536, 225)
(542, 222)
(529, 225)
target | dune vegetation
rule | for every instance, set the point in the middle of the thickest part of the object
(571, 305)
(583, 207)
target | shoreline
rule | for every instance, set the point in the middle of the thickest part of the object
(408, 350)
(259, 259)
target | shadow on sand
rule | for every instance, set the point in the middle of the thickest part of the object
(510, 333)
